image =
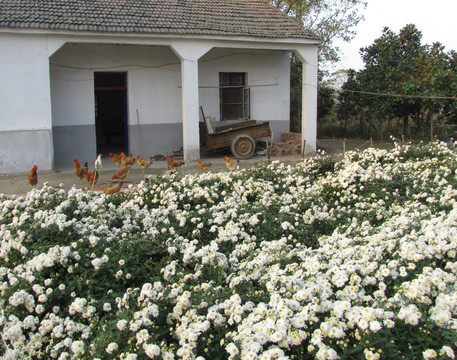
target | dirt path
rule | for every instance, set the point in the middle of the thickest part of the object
(17, 184)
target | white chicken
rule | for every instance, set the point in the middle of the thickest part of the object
(98, 164)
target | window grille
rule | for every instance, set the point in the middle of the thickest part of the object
(234, 96)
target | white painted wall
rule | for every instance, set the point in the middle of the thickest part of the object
(25, 89)
(25, 107)
(153, 82)
(268, 77)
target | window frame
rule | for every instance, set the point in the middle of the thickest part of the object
(231, 82)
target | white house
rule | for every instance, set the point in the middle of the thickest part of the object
(80, 77)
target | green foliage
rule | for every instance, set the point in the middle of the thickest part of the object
(329, 19)
(406, 87)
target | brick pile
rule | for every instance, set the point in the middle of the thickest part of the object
(290, 144)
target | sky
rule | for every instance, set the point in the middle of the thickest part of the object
(435, 19)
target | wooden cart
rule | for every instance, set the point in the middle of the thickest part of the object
(239, 137)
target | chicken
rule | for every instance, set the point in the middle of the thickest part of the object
(144, 164)
(204, 165)
(33, 176)
(113, 189)
(174, 165)
(98, 164)
(169, 172)
(127, 161)
(78, 170)
(92, 177)
(231, 165)
(121, 174)
(116, 159)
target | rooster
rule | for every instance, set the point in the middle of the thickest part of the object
(113, 189)
(174, 165)
(204, 165)
(231, 165)
(33, 176)
(144, 164)
(127, 161)
(92, 177)
(121, 174)
(116, 159)
(78, 170)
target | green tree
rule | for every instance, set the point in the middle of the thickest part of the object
(405, 84)
(350, 105)
(392, 66)
(325, 101)
(329, 19)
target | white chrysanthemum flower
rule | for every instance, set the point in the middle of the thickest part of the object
(77, 347)
(122, 325)
(232, 349)
(130, 356)
(168, 355)
(429, 354)
(151, 350)
(112, 347)
(446, 350)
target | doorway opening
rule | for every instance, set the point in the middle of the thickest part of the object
(111, 112)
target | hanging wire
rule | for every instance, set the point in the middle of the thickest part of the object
(400, 95)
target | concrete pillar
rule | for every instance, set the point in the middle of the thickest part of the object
(308, 56)
(190, 109)
(189, 55)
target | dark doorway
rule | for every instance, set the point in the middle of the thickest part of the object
(111, 112)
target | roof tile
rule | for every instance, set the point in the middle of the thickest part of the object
(253, 18)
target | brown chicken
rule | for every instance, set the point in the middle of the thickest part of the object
(33, 176)
(78, 170)
(144, 164)
(121, 174)
(91, 177)
(116, 159)
(174, 165)
(127, 161)
(113, 189)
(204, 165)
(231, 165)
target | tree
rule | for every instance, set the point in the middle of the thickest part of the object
(405, 81)
(349, 105)
(392, 66)
(325, 101)
(329, 19)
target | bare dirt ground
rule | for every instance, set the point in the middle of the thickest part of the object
(17, 184)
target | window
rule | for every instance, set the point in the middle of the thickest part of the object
(234, 96)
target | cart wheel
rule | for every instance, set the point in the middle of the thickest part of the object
(243, 146)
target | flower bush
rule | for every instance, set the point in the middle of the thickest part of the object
(350, 259)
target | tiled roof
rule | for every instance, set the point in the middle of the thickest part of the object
(251, 18)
